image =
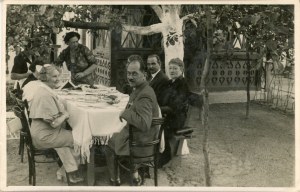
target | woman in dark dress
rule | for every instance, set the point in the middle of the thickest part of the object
(174, 107)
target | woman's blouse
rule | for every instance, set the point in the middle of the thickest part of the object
(45, 105)
(77, 61)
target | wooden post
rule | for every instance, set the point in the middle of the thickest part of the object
(248, 81)
(269, 78)
(204, 91)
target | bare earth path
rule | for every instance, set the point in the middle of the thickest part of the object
(257, 152)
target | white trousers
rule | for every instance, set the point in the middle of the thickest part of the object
(69, 158)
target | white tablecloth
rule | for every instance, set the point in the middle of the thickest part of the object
(89, 119)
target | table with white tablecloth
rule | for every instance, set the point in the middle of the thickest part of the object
(91, 115)
(94, 119)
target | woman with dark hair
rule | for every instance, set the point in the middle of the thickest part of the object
(79, 59)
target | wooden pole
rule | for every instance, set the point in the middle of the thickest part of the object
(248, 81)
(204, 91)
(86, 25)
(269, 66)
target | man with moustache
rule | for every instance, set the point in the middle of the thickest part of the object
(141, 108)
(158, 80)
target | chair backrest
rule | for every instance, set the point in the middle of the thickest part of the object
(21, 113)
(145, 152)
(24, 105)
(195, 100)
(15, 94)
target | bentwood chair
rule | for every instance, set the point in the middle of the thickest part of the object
(16, 97)
(138, 161)
(194, 100)
(32, 152)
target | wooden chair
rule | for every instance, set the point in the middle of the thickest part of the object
(15, 95)
(32, 152)
(194, 100)
(137, 161)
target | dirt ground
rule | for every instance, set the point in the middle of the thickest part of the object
(254, 152)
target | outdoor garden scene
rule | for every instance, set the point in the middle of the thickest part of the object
(237, 61)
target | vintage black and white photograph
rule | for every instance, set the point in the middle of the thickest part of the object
(148, 94)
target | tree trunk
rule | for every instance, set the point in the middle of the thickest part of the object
(171, 29)
(173, 48)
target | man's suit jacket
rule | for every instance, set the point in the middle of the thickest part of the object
(140, 110)
(159, 83)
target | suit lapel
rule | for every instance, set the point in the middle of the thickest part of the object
(152, 82)
(135, 94)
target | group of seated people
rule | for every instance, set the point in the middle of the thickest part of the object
(150, 94)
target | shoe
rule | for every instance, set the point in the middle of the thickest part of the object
(137, 181)
(74, 178)
(61, 174)
(145, 172)
(115, 183)
(61, 177)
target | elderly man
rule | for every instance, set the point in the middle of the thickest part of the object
(158, 80)
(140, 110)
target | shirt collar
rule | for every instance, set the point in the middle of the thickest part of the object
(142, 85)
(153, 75)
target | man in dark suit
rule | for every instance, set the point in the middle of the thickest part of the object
(158, 80)
(140, 110)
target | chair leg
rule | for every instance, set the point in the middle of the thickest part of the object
(155, 170)
(116, 168)
(155, 175)
(20, 144)
(68, 179)
(33, 173)
(29, 167)
(21, 149)
(131, 172)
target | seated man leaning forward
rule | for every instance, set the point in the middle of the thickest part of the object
(140, 110)
(49, 120)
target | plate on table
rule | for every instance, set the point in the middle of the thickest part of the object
(92, 105)
(76, 92)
